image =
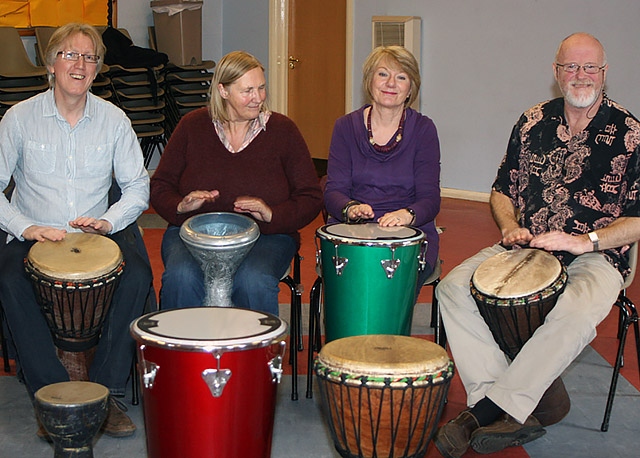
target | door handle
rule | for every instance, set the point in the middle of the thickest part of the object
(292, 62)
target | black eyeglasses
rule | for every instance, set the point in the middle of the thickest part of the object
(591, 69)
(75, 56)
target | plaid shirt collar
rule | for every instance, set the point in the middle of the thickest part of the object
(257, 125)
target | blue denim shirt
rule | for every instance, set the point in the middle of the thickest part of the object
(63, 172)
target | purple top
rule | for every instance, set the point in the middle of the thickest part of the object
(407, 176)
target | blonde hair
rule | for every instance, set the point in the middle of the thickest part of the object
(230, 68)
(395, 56)
(60, 36)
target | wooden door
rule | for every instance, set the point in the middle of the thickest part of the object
(316, 76)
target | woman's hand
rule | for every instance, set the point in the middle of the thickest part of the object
(400, 217)
(359, 211)
(255, 206)
(195, 200)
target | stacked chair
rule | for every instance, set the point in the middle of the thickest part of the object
(139, 92)
(19, 77)
(186, 87)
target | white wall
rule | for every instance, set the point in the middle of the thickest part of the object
(486, 61)
(483, 61)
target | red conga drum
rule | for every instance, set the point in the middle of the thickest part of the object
(514, 291)
(209, 378)
(74, 281)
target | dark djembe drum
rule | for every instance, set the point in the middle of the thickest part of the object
(72, 413)
(514, 291)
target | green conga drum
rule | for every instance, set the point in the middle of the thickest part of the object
(370, 275)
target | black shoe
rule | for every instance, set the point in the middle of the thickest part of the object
(506, 432)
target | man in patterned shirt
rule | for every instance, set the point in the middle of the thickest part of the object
(568, 185)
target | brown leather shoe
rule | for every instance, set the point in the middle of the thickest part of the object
(554, 405)
(506, 432)
(118, 423)
(452, 439)
(42, 433)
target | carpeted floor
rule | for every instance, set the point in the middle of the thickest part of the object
(300, 429)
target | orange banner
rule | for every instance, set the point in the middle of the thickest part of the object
(14, 13)
(38, 13)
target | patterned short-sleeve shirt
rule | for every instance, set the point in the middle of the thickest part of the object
(574, 184)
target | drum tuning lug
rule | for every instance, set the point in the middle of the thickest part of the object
(338, 262)
(275, 366)
(216, 379)
(150, 372)
(422, 257)
(390, 266)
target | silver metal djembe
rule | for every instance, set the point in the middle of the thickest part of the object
(219, 242)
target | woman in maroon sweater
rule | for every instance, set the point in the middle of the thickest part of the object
(235, 156)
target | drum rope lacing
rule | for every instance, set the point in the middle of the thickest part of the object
(379, 381)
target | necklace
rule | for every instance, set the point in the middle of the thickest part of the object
(395, 139)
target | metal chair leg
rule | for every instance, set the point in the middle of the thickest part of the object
(315, 336)
(628, 315)
(4, 343)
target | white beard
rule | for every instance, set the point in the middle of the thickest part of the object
(583, 98)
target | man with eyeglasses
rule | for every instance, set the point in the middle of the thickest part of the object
(64, 149)
(568, 185)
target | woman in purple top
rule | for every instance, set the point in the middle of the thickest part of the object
(384, 158)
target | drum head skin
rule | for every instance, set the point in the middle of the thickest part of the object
(219, 229)
(209, 328)
(384, 356)
(72, 393)
(79, 256)
(516, 273)
(370, 234)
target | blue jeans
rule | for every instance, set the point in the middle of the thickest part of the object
(36, 352)
(255, 285)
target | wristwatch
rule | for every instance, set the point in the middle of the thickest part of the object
(413, 215)
(594, 239)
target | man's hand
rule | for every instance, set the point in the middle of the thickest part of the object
(42, 233)
(91, 225)
(516, 236)
(561, 241)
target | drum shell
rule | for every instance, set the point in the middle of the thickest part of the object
(392, 415)
(514, 319)
(362, 300)
(219, 242)
(183, 418)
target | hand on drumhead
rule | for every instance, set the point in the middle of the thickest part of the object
(195, 200)
(561, 241)
(91, 225)
(397, 218)
(42, 233)
(360, 211)
(255, 206)
(517, 236)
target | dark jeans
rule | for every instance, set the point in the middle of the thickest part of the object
(255, 284)
(36, 352)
